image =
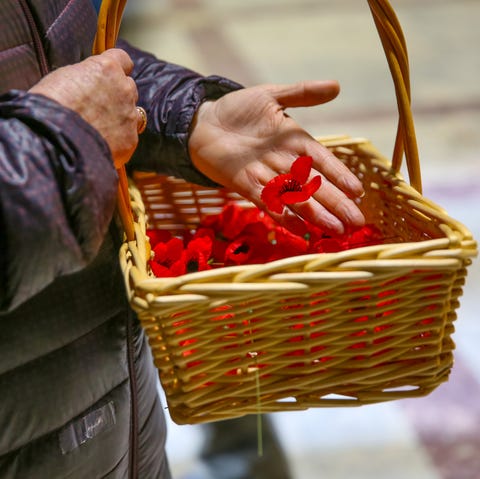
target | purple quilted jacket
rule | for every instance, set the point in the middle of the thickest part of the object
(78, 391)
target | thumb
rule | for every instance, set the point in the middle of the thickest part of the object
(306, 93)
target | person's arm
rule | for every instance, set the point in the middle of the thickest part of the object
(171, 95)
(59, 145)
(57, 194)
(241, 140)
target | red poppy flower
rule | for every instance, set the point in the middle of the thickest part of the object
(233, 218)
(218, 244)
(225, 222)
(287, 244)
(367, 235)
(158, 236)
(291, 187)
(197, 254)
(328, 245)
(251, 246)
(173, 259)
(166, 256)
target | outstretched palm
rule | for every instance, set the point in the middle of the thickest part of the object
(244, 139)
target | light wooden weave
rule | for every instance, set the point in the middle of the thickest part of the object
(339, 329)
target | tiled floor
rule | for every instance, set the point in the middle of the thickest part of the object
(256, 41)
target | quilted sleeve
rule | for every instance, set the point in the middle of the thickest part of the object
(171, 95)
(57, 194)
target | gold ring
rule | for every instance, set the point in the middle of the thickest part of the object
(142, 120)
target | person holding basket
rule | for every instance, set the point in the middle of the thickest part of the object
(79, 389)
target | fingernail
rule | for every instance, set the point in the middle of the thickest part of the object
(356, 187)
(338, 227)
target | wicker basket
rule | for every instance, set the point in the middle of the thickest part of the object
(355, 327)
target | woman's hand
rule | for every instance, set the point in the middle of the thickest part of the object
(244, 139)
(102, 92)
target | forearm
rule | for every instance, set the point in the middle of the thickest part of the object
(57, 194)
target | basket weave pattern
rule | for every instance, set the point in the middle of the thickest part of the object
(355, 327)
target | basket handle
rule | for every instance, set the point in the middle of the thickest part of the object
(395, 49)
(109, 19)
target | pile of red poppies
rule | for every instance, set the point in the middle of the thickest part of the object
(247, 235)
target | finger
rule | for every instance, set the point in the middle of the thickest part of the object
(334, 170)
(334, 217)
(294, 216)
(306, 93)
(329, 209)
(289, 220)
(316, 214)
(122, 58)
(339, 205)
(324, 161)
(133, 90)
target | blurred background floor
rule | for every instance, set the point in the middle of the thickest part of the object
(259, 41)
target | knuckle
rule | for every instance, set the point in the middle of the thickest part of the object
(104, 65)
(131, 88)
(121, 57)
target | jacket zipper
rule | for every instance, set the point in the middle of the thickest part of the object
(37, 42)
(134, 399)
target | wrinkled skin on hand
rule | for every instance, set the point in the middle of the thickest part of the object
(101, 91)
(244, 139)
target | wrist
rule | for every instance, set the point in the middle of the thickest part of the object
(195, 135)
